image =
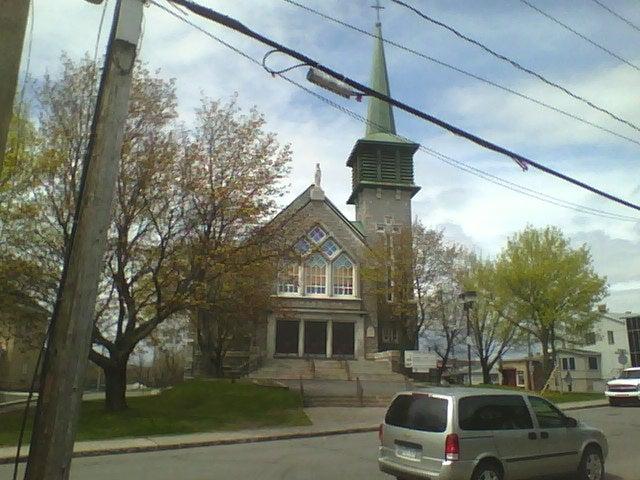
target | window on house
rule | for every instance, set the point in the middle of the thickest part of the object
(593, 363)
(317, 234)
(343, 276)
(565, 364)
(330, 248)
(572, 363)
(590, 338)
(315, 275)
(610, 337)
(520, 378)
(288, 279)
(395, 229)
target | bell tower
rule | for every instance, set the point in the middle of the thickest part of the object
(381, 162)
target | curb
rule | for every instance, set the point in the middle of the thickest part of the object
(584, 407)
(237, 441)
(208, 443)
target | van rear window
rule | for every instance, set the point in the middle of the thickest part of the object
(418, 412)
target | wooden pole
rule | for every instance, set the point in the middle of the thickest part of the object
(66, 358)
(13, 23)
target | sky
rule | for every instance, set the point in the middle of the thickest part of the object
(471, 210)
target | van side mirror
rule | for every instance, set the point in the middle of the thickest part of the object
(570, 422)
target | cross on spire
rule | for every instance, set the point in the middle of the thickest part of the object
(377, 8)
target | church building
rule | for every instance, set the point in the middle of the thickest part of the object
(326, 309)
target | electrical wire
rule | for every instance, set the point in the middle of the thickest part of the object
(518, 65)
(440, 156)
(464, 72)
(580, 35)
(521, 160)
(617, 15)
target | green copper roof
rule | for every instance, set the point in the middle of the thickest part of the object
(381, 125)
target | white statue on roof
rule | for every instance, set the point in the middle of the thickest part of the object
(318, 178)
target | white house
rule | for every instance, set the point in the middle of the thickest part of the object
(610, 339)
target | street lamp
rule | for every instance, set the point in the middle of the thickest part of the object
(467, 298)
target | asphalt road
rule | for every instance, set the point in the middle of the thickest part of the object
(325, 458)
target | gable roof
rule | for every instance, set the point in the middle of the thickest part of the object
(304, 199)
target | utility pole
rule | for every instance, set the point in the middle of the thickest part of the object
(13, 23)
(66, 357)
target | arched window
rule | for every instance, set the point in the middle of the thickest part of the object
(343, 276)
(288, 280)
(315, 275)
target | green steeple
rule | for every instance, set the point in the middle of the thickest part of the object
(381, 160)
(379, 113)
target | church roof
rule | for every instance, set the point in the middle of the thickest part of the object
(306, 196)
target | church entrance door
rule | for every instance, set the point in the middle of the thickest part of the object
(315, 338)
(287, 337)
(343, 339)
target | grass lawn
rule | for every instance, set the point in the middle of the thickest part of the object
(193, 406)
(556, 397)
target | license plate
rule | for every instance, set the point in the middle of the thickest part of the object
(407, 452)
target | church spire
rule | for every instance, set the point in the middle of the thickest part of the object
(379, 114)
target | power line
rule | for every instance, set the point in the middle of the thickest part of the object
(464, 72)
(517, 65)
(617, 15)
(580, 35)
(440, 156)
(234, 24)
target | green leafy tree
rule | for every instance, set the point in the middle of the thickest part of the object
(492, 333)
(547, 288)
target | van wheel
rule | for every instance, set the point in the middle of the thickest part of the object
(592, 465)
(487, 471)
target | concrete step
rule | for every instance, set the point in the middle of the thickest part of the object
(373, 370)
(284, 369)
(330, 370)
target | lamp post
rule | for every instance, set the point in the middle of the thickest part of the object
(467, 298)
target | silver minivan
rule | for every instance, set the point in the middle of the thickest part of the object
(485, 434)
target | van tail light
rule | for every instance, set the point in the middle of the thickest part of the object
(451, 447)
(380, 432)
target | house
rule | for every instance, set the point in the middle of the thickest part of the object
(576, 370)
(610, 339)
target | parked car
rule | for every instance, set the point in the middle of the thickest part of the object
(625, 387)
(485, 434)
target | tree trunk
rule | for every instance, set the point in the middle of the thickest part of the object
(210, 361)
(116, 387)
(486, 369)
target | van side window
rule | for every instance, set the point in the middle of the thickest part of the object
(548, 416)
(493, 412)
(418, 412)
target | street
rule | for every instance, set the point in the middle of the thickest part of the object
(328, 458)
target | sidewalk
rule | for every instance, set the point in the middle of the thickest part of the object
(326, 421)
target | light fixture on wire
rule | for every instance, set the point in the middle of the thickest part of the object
(318, 77)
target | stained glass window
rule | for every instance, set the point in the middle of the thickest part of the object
(317, 234)
(343, 276)
(315, 275)
(330, 248)
(288, 279)
(302, 246)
